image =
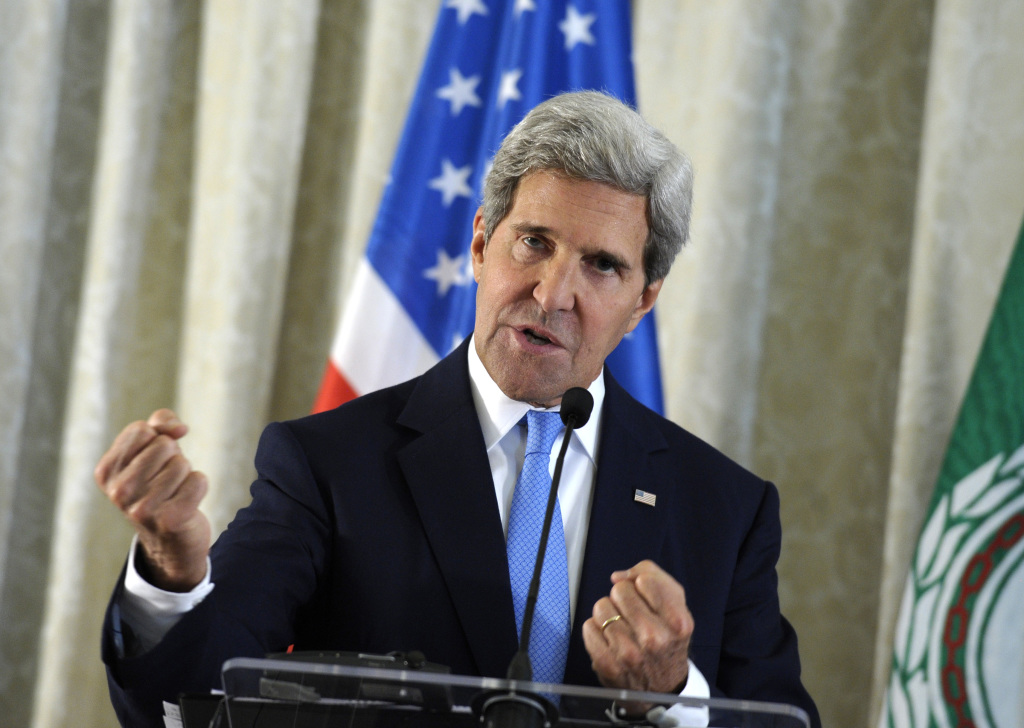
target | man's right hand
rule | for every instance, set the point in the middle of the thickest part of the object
(145, 475)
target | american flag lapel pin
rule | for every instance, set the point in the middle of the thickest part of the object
(642, 496)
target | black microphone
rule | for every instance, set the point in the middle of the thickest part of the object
(528, 710)
(577, 404)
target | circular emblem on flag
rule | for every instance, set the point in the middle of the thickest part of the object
(959, 651)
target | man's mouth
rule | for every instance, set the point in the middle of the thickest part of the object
(534, 338)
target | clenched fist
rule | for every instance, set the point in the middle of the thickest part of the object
(145, 474)
(639, 635)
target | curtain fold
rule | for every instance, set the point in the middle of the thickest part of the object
(187, 187)
(255, 75)
(726, 108)
(48, 121)
(119, 365)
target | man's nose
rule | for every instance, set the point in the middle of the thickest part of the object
(556, 289)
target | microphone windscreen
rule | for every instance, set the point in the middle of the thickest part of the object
(578, 403)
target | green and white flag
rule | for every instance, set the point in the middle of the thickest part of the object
(959, 651)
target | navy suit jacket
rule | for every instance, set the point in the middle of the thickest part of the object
(374, 527)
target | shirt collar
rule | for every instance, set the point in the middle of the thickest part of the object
(498, 414)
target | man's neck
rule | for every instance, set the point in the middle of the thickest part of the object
(498, 413)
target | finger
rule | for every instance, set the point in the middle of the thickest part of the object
(594, 641)
(650, 632)
(615, 656)
(192, 491)
(604, 615)
(663, 594)
(656, 586)
(133, 438)
(666, 598)
(155, 475)
(166, 422)
(126, 446)
(173, 508)
(605, 642)
(603, 659)
(183, 504)
(153, 459)
(159, 467)
(644, 567)
(628, 602)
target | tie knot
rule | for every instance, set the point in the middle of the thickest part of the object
(541, 430)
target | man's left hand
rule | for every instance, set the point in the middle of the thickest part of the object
(647, 646)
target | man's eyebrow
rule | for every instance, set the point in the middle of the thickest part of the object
(521, 228)
(617, 261)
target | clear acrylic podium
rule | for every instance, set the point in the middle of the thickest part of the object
(268, 693)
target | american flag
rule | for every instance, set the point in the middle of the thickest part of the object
(642, 496)
(489, 63)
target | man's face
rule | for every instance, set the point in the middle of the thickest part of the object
(560, 283)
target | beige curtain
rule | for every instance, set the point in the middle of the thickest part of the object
(186, 187)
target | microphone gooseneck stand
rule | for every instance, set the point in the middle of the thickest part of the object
(512, 709)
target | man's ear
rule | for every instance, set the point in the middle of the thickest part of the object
(645, 303)
(476, 246)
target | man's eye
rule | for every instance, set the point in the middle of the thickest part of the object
(532, 242)
(605, 265)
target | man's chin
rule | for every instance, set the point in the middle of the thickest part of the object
(537, 399)
(532, 389)
(529, 376)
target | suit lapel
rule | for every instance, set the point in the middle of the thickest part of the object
(622, 531)
(449, 477)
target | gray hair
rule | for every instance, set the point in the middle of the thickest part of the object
(593, 136)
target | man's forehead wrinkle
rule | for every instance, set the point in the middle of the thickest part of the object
(601, 203)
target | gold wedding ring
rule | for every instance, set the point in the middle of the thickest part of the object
(608, 621)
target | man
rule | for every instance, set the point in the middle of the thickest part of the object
(381, 525)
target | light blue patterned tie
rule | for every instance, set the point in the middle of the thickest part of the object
(549, 635)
